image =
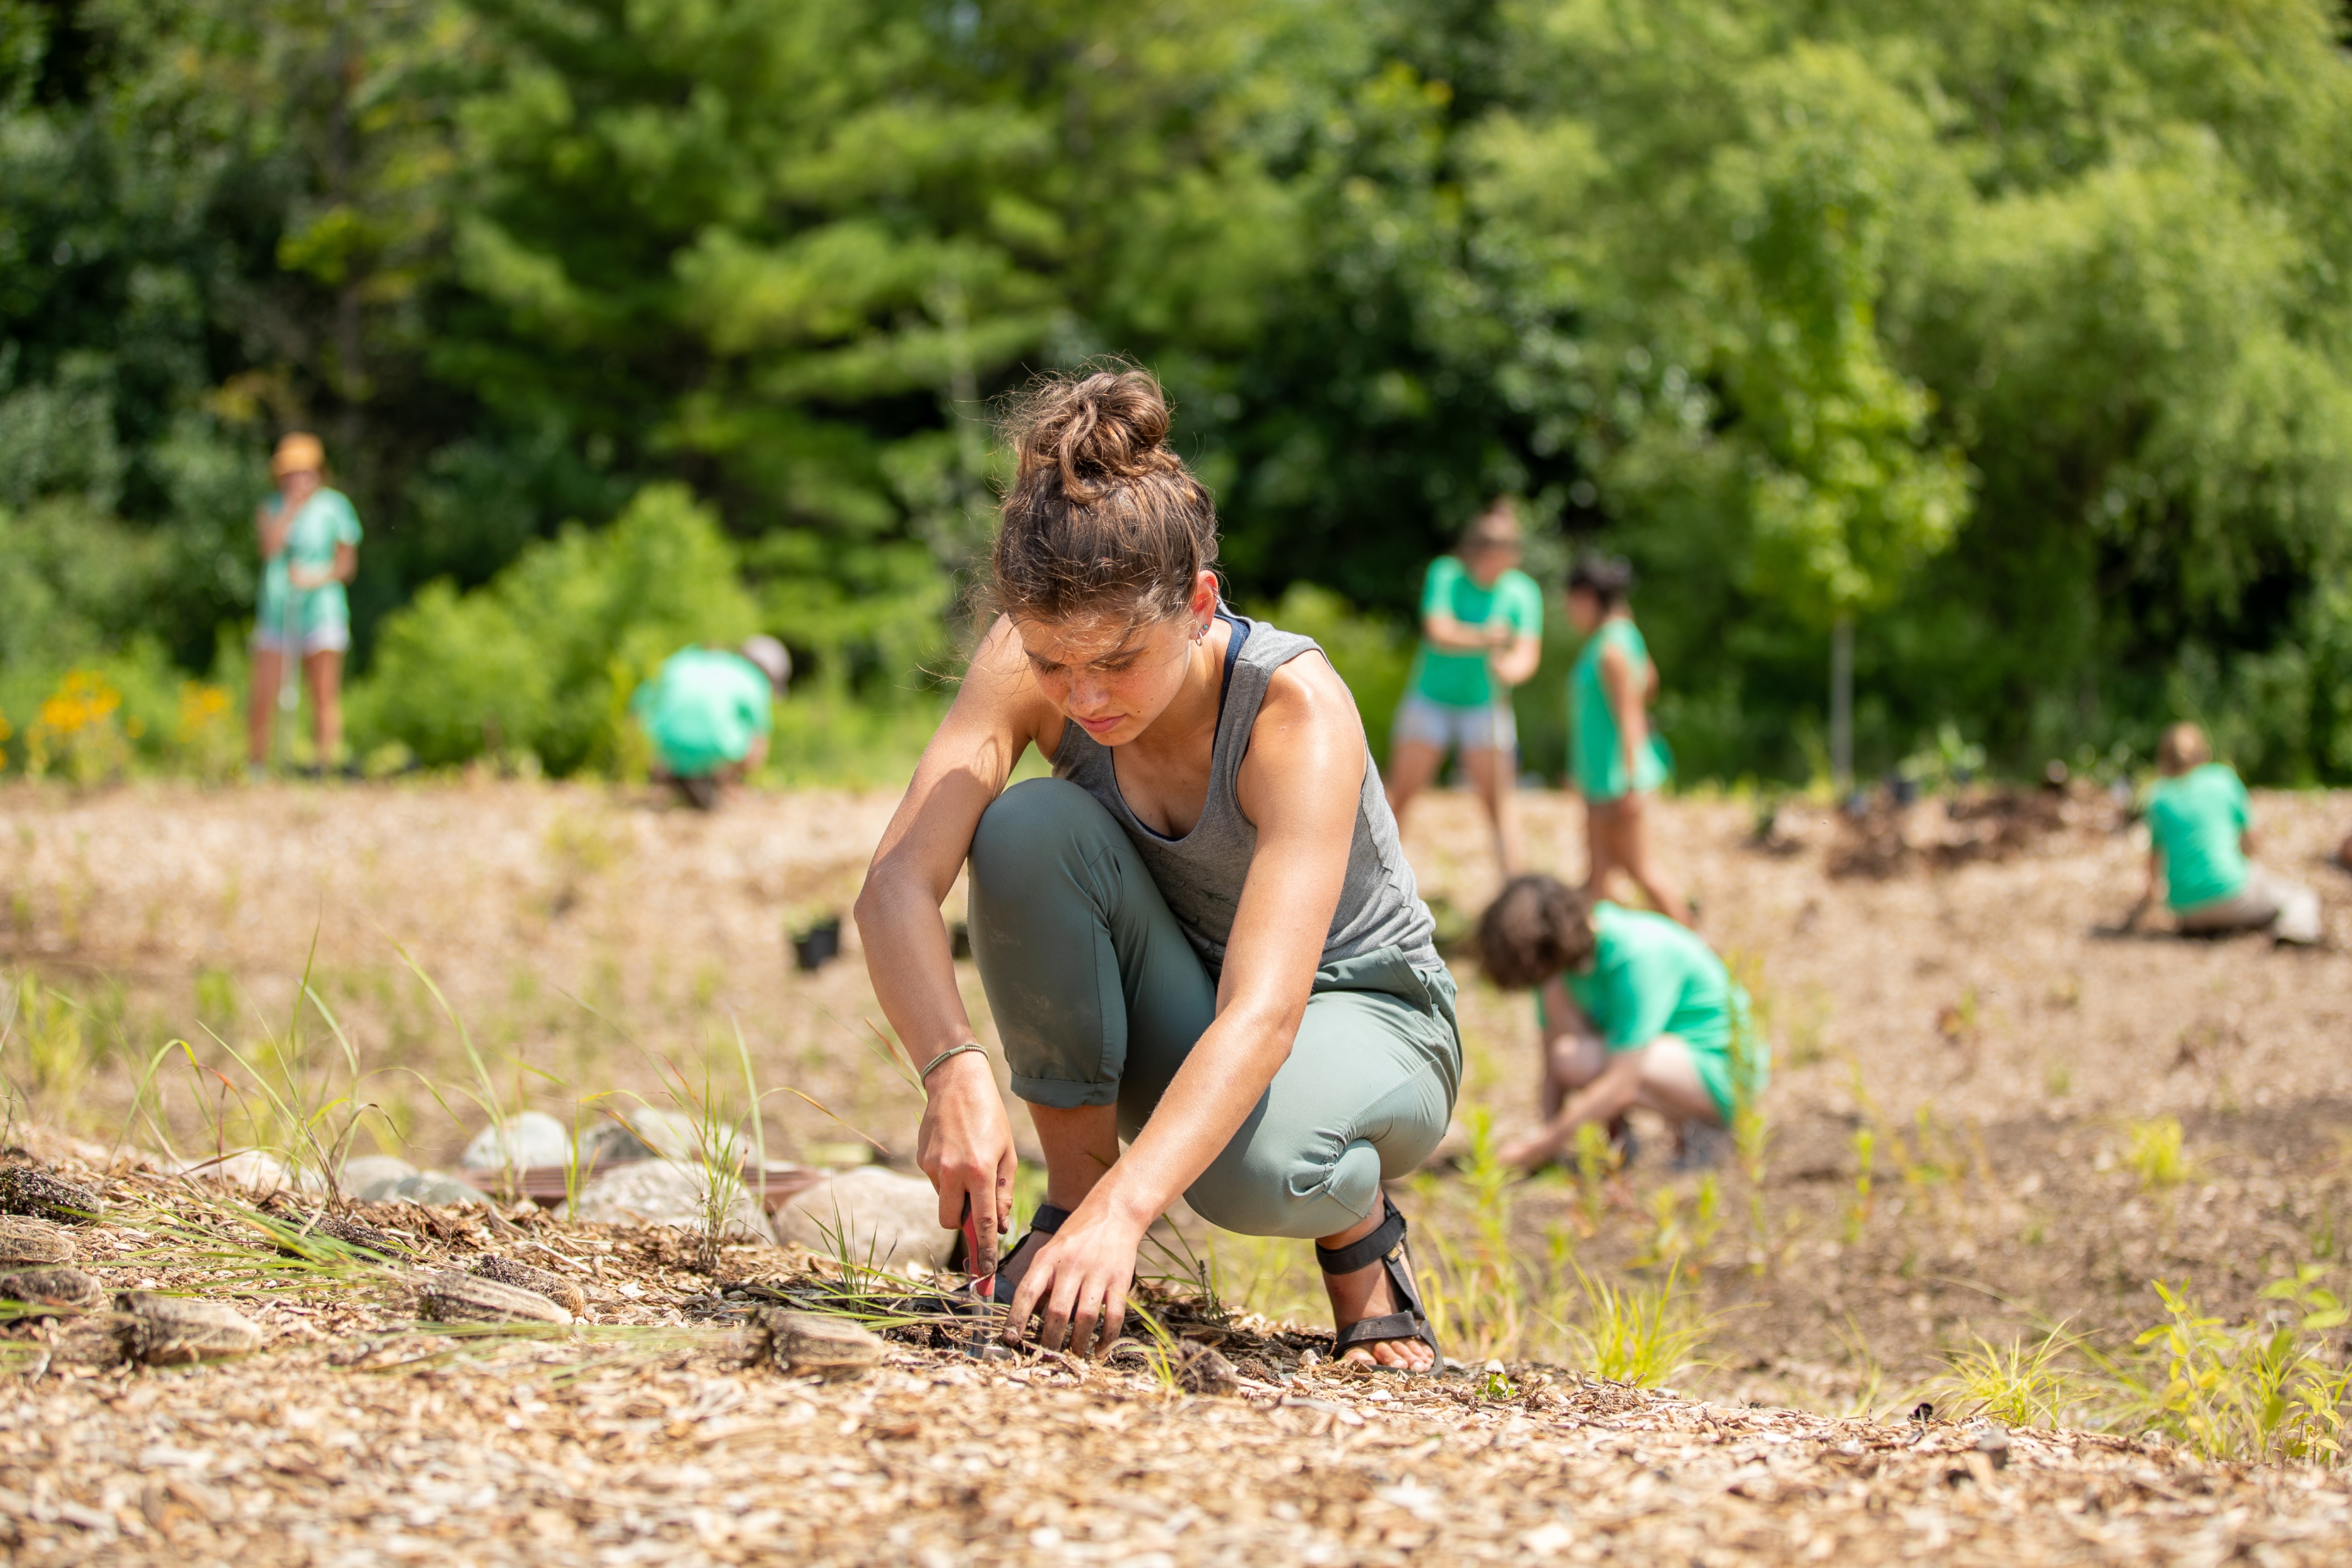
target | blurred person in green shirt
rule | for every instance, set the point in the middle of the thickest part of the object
(2200, 834)
(1633, 1009)
(309, 538)
(709, 714)
(1481, 635)
(1617, 760)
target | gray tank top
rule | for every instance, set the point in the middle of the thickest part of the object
(1201, 874)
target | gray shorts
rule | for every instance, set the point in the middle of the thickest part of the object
(2287, 908)
(1490, 727)
(324, 639)
(1099, 998)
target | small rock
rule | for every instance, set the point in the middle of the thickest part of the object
(350, 1233)
(872, 1217)
(817, 1342)
(24, 1240)
(170, 1331)
(533, 1138)
(435, 1190)
(454, 1298)
(1993, 1444)
(523, 1277)
(1200, 1369)
(666, 1192)
(26, 1191)
(642, 1132)
(372, 1176)
(54, 1286)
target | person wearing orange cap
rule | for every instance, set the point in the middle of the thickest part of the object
(310, 539)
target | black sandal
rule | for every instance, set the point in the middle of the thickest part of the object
(1045, 1222)
(1385, 1246)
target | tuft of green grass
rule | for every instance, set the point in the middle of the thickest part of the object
(2017, 1384)
(2154, 1151)
(1639, 1333)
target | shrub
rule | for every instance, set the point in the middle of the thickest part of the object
(542, 658)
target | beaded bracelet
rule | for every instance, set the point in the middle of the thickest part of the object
(951, 1051)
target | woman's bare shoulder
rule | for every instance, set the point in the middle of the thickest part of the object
(1307, 695)
(999, 683)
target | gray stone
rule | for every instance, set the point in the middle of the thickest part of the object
(533, 1138)
(372, 1176)
(664, 1192)
(650, 1134)
(434, 1190)
(871, 1216)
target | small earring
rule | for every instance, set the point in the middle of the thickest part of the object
(1199, 632)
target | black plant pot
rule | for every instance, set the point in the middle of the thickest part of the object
(819, 945)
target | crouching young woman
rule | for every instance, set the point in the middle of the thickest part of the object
(1203, 950)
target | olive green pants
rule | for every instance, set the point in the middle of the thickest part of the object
(1099, 998)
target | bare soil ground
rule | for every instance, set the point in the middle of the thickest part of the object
(1955, 1003)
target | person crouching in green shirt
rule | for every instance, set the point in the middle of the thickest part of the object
(1481, 635)
(1633, 1008)
(2200, 831)
(708, 714)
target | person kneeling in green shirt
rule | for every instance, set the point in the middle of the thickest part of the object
(2200, 831)
(1634, 1010)
(708, 714)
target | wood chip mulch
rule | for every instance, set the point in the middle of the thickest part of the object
(651, 1432)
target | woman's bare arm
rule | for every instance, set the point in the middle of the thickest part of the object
(966, 1144)
(1626, 703)
(1456, 636)
(270, 527)
(1515, 663)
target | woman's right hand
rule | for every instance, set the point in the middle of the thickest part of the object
(965, 1147)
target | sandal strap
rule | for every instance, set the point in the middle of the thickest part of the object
(1048, 1218)
(1376, 1331)
(1366, 1251)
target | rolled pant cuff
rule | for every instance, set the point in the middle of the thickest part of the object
(1061, 1093)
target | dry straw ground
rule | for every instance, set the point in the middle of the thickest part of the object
(1954, 1031)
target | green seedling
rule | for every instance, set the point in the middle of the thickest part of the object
(2017, 1384)
(2154, 1153)
(1641, 1334)
(1857, 1211)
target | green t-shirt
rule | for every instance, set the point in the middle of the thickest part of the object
(704, 709)
(1651, 976)
(1461, 679)
(1599, 750)
(325, 523)
(2195, 822)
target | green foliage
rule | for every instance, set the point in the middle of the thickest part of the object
(2261, 1391)
(2016, 333)
(544, 657)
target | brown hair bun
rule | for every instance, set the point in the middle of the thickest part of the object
(1103, 517)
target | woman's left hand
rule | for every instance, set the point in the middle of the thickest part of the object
(307, 578)
(1078, 1280)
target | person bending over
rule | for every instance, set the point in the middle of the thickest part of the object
(2200, 831)
(709, 713)
(1201, 944)
(1481, 635)
(1619, 765)
(1633, 1010)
